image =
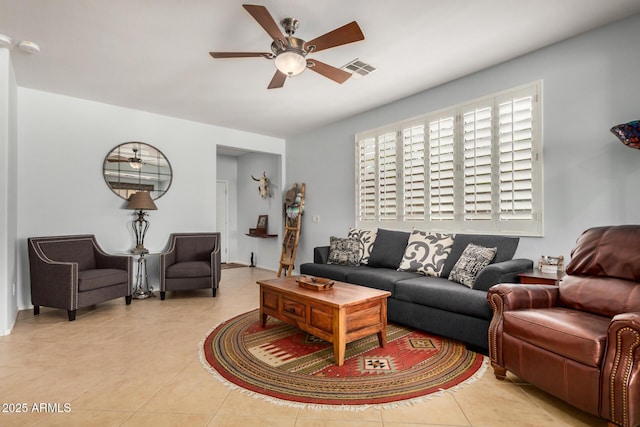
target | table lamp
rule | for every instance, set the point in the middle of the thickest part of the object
(141, 201)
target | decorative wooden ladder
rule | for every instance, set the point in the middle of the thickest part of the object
(291, 235)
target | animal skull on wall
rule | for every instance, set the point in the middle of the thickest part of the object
(264, 187)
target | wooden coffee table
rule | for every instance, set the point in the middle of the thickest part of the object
(339, 315)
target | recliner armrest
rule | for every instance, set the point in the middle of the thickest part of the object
(321, 254)
(621, 371)
(516, 296)
(501, 272)
(513, 296)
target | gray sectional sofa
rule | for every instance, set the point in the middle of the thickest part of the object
(433, 304)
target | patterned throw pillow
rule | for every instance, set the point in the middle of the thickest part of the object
(344, 251)
(365, 239)
(470, 264)
(426, 253)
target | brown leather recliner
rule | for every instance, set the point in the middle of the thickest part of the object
(579, 341)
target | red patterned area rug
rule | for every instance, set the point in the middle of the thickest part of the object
(290, 367)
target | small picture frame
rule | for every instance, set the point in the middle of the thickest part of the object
(263, 221)
(551, 264)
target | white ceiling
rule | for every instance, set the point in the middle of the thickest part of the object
(152, 55)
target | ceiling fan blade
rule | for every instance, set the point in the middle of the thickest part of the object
(240, 54)
(266, 21)
(278, 80)
(335, 74)
(346, 34)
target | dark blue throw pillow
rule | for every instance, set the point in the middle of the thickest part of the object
(388, 248)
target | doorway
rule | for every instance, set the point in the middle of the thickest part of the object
(222, 217)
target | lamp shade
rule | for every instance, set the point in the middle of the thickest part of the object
(141, 201)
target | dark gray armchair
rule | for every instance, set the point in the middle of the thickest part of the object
(192, 261)
(70, 272)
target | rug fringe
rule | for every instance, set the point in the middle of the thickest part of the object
(316, 407)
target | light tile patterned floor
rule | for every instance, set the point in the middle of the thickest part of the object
(138, 365)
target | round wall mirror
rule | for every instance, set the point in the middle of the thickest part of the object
(136, 166)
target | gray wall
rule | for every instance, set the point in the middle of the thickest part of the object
(590, 83)
(62, 143)
(266, 251)
(245, 205)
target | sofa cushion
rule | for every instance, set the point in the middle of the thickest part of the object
(506, 248)
(579, 336)
(470, 264)
(89, 280)
(344, 251)
(189, 269)
(379, 278)
(328, 271)
(426, 253)
(445, 295)
(388, 248)
(365, 239)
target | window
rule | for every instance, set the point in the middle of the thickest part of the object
(473, 167)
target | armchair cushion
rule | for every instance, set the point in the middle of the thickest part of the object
(606, 296)
(194, 248)
(89, 280)
(579, 336)
(189, 269)
(80, 251)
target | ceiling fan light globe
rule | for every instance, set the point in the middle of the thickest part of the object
(290, 63)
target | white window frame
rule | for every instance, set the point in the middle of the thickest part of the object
(516, 179)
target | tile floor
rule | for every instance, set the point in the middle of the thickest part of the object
(138, 365)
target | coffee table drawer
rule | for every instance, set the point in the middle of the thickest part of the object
(294, 309)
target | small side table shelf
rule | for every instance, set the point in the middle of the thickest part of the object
(536, 277)
(141, 289)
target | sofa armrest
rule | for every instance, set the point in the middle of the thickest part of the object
(321, 254)
(621, 371)
(513, 296)
(501, 272)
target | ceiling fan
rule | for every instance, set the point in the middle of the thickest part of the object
(289, 53)
(135, 162)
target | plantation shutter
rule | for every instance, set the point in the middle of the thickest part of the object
(387, 177)
(516, 158)
(414, 173)
(367, 179)
(477, 163)
(474, 166)
(441, 169)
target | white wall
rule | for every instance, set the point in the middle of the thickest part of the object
(8, 193)
(62, 145)
(251, 205)
(590, 83)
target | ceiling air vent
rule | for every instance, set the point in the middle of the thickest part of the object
(358, 68)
